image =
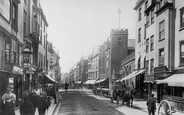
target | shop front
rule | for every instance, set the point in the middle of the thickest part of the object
(136, 79)
(160, 74)
(173, 90)
(16, 76)
(3, 84)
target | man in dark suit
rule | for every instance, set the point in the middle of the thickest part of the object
(26, 108)
(151, 104)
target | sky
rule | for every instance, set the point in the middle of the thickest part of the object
(77, 26)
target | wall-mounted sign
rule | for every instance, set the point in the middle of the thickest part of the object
(160, 69)
(5, 9)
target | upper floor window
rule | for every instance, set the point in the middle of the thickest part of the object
(147, 45)
(25, 16)
(146, 5)
(147, 67)
(139, 35)
(152, 43)
(119, 41)
(14, 15)
(152, 66)
(182, 53)
(139, 15)
(25, 1)
(14, 52)
(35, 2)
(161, 57)
(182, 17)
(147, 19)
(162, 30)
(144, 31)
(152, 16)
(161, 3)
(7, 50)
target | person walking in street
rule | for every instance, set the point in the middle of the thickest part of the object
(66, 87)
(9, 99)
(34, 99)
(27, 108)
(42, 105)
(151, 105)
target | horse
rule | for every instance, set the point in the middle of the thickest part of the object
(132, 96)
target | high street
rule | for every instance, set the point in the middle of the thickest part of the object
(83, 102)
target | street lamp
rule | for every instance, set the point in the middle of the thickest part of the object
(26, 63)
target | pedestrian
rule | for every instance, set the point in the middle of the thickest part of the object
(66, 87)
(151, 105)
(27, 108)
(8, 99)
(34, 99)
(42, 105)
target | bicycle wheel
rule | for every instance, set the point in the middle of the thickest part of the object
(164, 108)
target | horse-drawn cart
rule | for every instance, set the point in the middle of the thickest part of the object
(165, 108)
(124, 95)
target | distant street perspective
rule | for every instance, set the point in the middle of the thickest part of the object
(84, 102)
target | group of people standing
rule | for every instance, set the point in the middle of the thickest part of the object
(31, 101)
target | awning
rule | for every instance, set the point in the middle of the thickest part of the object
(48, 79)
(17, 70)
(90, 81)
(174, 80)
(78, 82)
(127, 77)
(135, 74)
(100, 80)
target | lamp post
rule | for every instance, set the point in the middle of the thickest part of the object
(26, 64)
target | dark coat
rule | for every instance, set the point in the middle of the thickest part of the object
(34, 99)
(26, 108)
(42, 105)
(151, 104)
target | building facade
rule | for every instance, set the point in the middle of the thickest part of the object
(116, 52)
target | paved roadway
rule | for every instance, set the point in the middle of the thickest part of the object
(80, 102)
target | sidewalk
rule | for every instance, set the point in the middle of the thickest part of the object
(139, 104)
(50, 110)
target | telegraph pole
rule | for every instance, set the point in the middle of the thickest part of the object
(119, 11)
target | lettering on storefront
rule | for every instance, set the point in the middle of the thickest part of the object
(160, 69)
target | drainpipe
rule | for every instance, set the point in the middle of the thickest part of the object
(171, 38)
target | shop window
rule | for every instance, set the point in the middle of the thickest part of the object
(182, 53)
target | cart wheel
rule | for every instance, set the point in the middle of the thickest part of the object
(117, 100)
(164, 108)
